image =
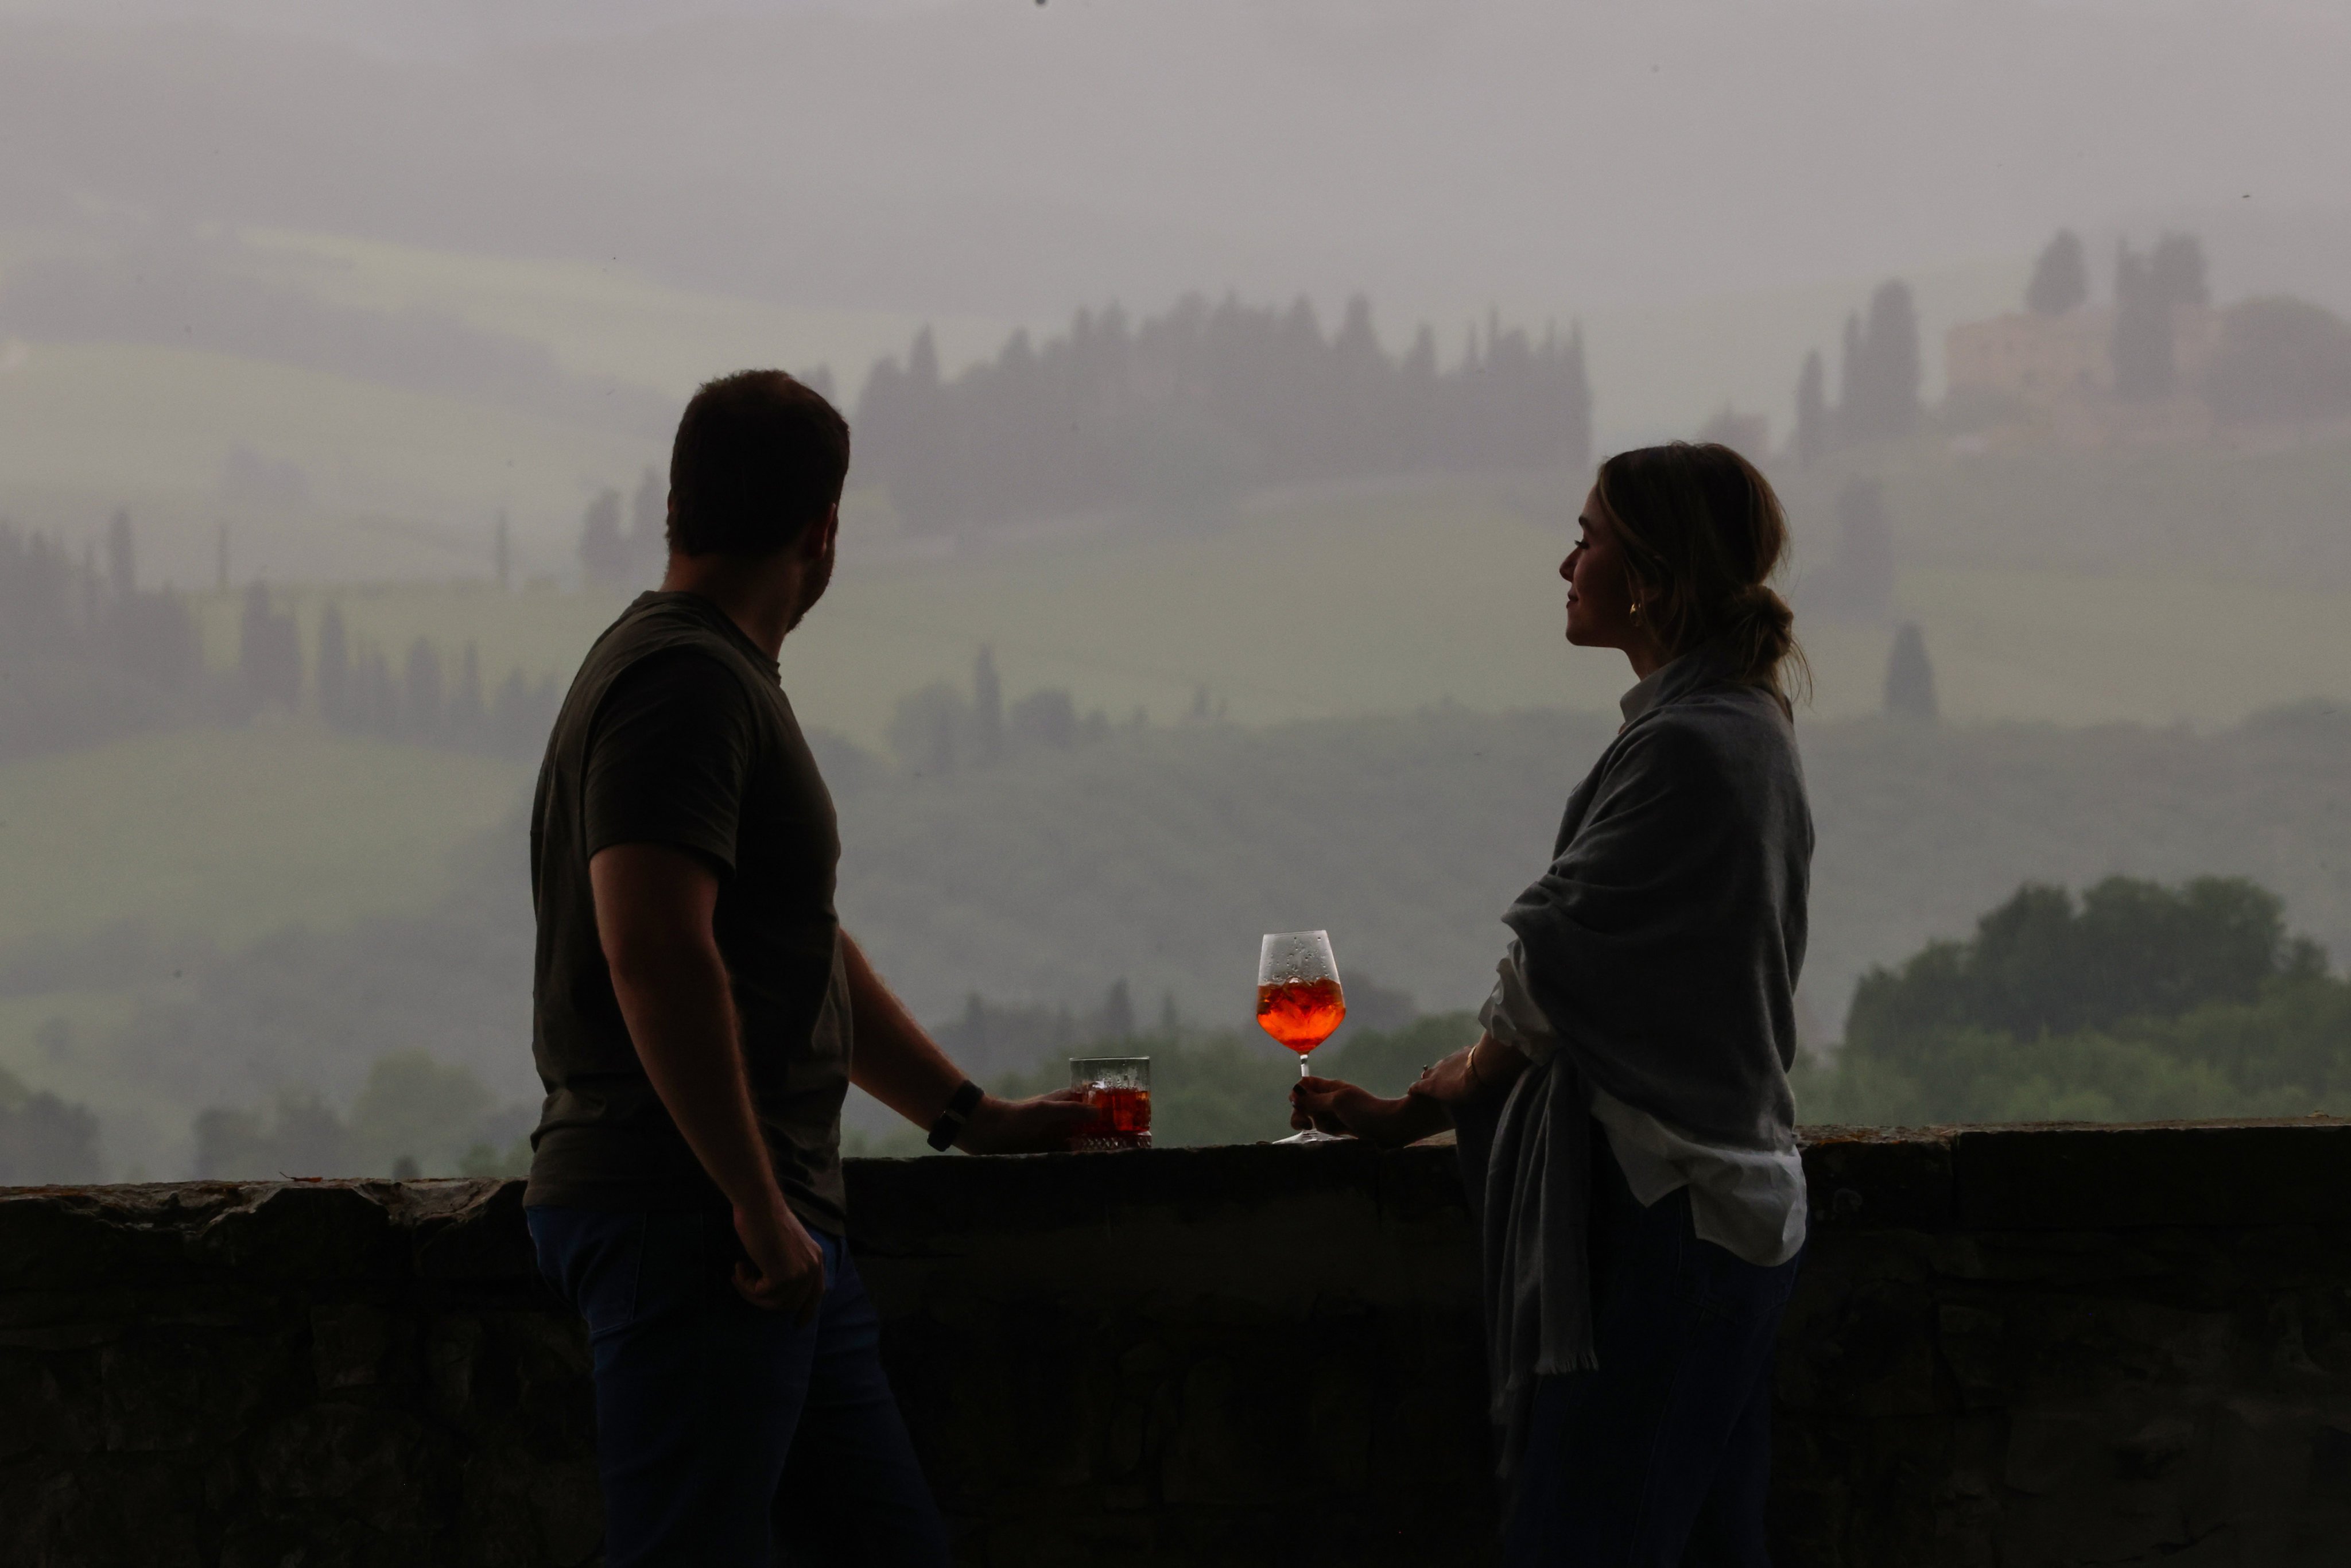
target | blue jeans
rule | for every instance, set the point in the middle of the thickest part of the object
(727, 1437)
(1662, 1454)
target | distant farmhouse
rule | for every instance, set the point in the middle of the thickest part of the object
(2161, 364)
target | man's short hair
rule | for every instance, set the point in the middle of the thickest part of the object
(758, 458)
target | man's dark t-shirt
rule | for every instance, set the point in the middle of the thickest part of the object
(677, 731)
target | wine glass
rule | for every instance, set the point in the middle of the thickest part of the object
(1298, 1001)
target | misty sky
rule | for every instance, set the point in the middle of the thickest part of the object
(1002, 160)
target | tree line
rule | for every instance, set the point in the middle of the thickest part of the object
(1877, 385)
(1187, 409)
(2131, 1001)
(88, 654)
(356, 689)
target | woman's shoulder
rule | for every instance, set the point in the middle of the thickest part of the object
(1727, 729)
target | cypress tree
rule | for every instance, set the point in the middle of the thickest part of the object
(603, 550)
(2061, 278)
(1811, 437)
(1575, 384)
(648, 528)
(334, 670)
(122, 563)
(1909, 678)
(1852, 381)
(987, 708)
(423, 708)
(464, 717)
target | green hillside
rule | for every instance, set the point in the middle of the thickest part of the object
(227, 834)
(312, 903)
(1384, 600)
(1160, 856)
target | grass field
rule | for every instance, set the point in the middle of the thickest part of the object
(1383, 601)
(228, 834)
(606, 320)
(400, 484)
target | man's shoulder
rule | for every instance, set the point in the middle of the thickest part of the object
(660, 640)
(657, 623)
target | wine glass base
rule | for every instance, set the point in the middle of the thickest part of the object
(1310, 1136)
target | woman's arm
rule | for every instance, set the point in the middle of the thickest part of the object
(1485, 1068)
(1329, 1105)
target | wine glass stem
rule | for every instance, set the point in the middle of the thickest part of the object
(1301, 1063)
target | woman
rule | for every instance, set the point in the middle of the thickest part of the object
(1626, 1130)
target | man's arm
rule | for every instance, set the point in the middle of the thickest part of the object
(654, 907)
(895, 1061)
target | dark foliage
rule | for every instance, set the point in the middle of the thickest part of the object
(413, 1116)
(1909, 678)
(2279, 359)
(87, 655)
(1877, 381)
(427, 703)
(611, 556)
(1185, 411)
(2140, 1002)
(1879, 398)
(2060, 278)
(2044, 963)
(2147, 288)
(269, 652)
(44, 1139)
(1813, 437)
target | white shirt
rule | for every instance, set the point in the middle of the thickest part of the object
(1749, 1202)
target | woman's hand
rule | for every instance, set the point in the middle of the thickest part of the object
(1329, 1105)
(1469, 1074)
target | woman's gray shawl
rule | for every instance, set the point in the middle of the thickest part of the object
(1663, 946)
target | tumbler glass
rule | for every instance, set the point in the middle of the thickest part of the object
(1117, 1089)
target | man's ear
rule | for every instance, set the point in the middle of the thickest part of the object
(816, 543)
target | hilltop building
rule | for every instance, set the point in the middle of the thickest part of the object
(2057, 373)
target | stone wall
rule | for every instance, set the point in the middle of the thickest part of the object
(2010, 1346)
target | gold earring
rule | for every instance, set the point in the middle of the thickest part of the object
(1636, 609)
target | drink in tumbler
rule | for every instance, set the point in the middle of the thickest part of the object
(1117, 1089)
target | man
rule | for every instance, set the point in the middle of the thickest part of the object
(695, 1005)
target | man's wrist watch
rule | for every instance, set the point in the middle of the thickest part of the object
(957, 1116)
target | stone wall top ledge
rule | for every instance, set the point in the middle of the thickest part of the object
(2038, 1177)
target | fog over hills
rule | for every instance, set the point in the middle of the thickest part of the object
(1009, 161)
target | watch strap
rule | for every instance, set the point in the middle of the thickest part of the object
(957, 1116)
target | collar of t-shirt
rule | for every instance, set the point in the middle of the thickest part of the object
(709, 612)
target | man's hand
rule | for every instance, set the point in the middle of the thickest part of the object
(899, 1065)
(1041, 1126)
(785, 1270)
(1329, 1105)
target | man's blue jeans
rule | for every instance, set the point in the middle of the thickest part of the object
(727, 1437)
(1662, 1455)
